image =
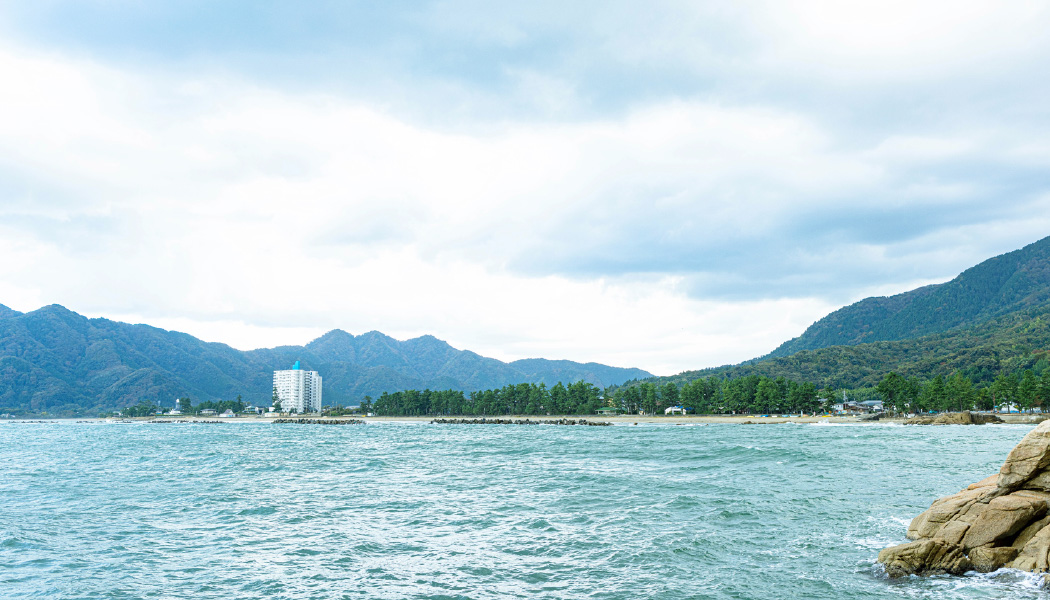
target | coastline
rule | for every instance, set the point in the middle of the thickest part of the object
(614, 420)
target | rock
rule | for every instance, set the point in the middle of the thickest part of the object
(1027, 460)
(989, 481)
(1034, 554)
(1029, 532)
(959, 418)
(929, 523)
(999, 521)
(987, 560)
(926, 557)
(1004, 517)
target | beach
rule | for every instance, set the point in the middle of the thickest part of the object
(614, 420)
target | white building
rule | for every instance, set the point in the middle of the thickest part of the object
(299, 391)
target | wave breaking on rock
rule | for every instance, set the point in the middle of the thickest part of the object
(1000, 521)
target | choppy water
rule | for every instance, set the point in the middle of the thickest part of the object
(400, 510)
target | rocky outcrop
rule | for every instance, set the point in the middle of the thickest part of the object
(926, 557)
(960, 418)
(1000, 521)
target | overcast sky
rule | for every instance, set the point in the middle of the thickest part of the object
(664, 185)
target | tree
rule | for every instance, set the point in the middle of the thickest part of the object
(1044, 388)
(959, 391)
(1027, 391)
(932, 395)
(803, 397)
(1004, 390)
(184, 405)
(648, 394)
(828, 395)
(276, 400)
(669, 394)
(894, 391)
(766, 396)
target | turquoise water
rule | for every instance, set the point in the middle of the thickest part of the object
(410, 510)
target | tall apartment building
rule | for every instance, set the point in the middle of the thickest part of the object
(299, 391)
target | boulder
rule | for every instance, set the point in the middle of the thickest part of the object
(929, 523)
(1004, 517)
(1027, 460)
(999, 521)
(926, 557)
(987, 560)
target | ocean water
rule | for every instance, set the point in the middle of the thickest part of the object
(412, 510)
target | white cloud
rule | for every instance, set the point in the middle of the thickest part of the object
(182, 200)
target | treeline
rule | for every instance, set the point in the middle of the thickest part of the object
(147, 408)
(518, 399)
(752, 394)
(1023, 390)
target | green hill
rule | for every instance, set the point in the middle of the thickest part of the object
(1008, 343)
(54, 360)
(992, 318)
(1011, 282)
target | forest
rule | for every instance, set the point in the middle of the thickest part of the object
(750, 394)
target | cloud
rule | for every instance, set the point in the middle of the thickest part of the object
(671, 190)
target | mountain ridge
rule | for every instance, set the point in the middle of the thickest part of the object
(53, 359)
(992, 318)
(997, 286)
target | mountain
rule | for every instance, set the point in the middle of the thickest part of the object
(55, 360)
(992, 318)
(1008, 283)
(1009, 343)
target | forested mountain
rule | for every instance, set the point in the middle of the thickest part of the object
(1010, 344)
(1014, 281)
(55, 360)
(993, 318)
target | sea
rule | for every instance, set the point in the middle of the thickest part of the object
(417, 510)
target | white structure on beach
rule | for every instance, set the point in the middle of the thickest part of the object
(299, 391)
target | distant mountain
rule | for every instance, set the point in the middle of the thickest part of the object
(7, 312)
(1008, 283)
(55, 360)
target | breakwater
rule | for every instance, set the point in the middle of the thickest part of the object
(484, 421)
(321, 421)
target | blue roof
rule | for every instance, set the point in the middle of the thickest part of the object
(295, 367)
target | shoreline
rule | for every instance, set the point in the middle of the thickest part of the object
(1013, 419)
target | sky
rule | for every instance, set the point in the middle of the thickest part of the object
(663, 185)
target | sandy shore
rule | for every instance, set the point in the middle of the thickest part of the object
(675, 420)
(617, 420)
(621, 420)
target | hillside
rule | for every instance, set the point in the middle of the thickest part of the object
(1008, 343)
(1011, 282)
(56, 360)
(992, 318)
